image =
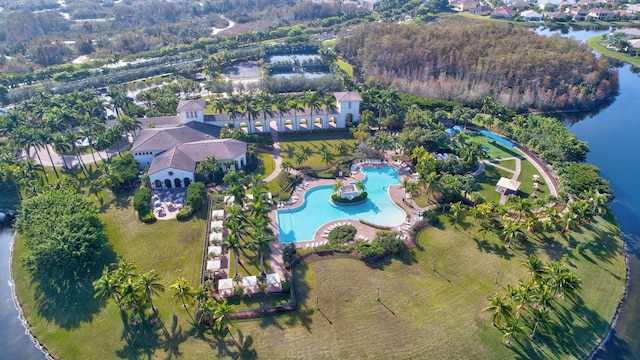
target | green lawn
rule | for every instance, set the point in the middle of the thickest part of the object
(527, 170)
(599, 45)
(267, 164)
(345, 66)
(312, 144)
(487, 182)
(496, 149)
(423, 313)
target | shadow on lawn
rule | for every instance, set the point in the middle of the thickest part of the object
(489, 247)
(68, 301)
(239, 346)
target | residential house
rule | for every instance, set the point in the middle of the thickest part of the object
(600, 14)
(577, 13)
(482, 10)
(557, 16)
(634, 45)
(518, 5)
(624, 15)
(549, 5)
(635, 8)
(503, 13)
(531, 16)
(629, 33)
(349, 7)
(463, 5)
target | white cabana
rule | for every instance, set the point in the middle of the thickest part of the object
(214, 250)
(216, 224)
(217, 214)
(229, 199)
(505, 184)
(215, 236)
(213, 265)
(225, 287)
(250, 284)
(273, 283)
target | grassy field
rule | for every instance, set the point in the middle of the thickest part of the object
(345, 66)
(496, 150)
(427, 314)
(599, 45)
(527, 170)
(313, 144)
(421, 313)
(267, 164)
(487, 182)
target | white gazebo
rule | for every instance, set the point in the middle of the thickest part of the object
(214, 250)
(504, 185)
(216, 224)
(217, 214)
(215, 237)
(225, 287)
(213, 265)
(250, 284)
(273, 283)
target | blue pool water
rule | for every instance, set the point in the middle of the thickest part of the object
(301, 223)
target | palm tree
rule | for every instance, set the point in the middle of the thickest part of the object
(456, 209)
(511, 230)
(45, 136)
(182, 290)
(72, 136)
(313, 102)
(500, 309)
(200, 295)
(29, 138)
(535, 269)
(108, 285)
(233, 242)
(337, 186)
(329, 102)
(300, 157)
(131, 297)
(540, 316)
(510, 331)
(485, 227)
(222, 315)
(150, 284)
(261, 240)
(360, 185)
(206, 312)
(265, 103)
(327, 156)
(295, 105)
(208, 166)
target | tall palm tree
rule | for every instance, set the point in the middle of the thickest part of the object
(535, 269)
(206, 313)
(131, 297)
(485, 227)
(337, 186)
(265, 104)
(222, 315)
(45, 136)
(329, 103)
(540, 317)
(29, 138)
(260, 243)
(456, 208)
(510, 231)
(72, 136)
(182, 290)
(108, 285)
(150, 284)
(500, 309)
(327, 156)
(295, 104)
(233, 242)
(313, 102)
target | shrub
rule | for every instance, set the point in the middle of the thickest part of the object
(285, 196)
(380, 227)
(141, 200)
(196, 196)
(286, 285)
(341, 235)
(147, 218)
(184, 213)
(337, 199)
(385, 243)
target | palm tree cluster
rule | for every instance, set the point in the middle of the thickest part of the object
(531, 302)
(380, 101)
(130, 290)
(61, 123)
(247, 221)
(261, 106)
(210, 311)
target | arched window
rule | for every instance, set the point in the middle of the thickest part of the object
(187, 182)
(177, 182)
(167, 183)
(158, 183)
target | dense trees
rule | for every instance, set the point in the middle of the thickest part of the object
(518, 68)
(62, 231)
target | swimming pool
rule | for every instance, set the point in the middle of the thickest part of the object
(301, 223)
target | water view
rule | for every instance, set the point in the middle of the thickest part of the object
(612, 134)
(301, 223)
(308, 75)
(15, 343)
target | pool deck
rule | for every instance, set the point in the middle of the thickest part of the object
(395, 192)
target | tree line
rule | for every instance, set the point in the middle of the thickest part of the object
(468, 61)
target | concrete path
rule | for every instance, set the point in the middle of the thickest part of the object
(275, 154)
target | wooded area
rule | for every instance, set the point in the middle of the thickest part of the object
(468, 61)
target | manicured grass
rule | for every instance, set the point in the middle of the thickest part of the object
(92, 329)
(422, 313)
(487, 182)
(508, 164)
(249, 263)
(329, 43)
(345, 66)
(527, 170)
(313, 144)
(599, 45)
(496, 150)
(274, 299)
(267, 164)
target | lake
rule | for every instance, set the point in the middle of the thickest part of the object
(613, 134)
(15, 343)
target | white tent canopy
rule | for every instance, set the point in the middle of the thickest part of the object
(250, 284)
(215, 236)
(273, 279)
(217, 213)
(213, 265)
(508, 184)
(216, 224)
(214, 250)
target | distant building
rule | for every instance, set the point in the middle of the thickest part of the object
(600, 14)
(531, 16)
(482, 10)
(503, 12)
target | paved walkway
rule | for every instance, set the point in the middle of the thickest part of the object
(514, 173)
(275, 154)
